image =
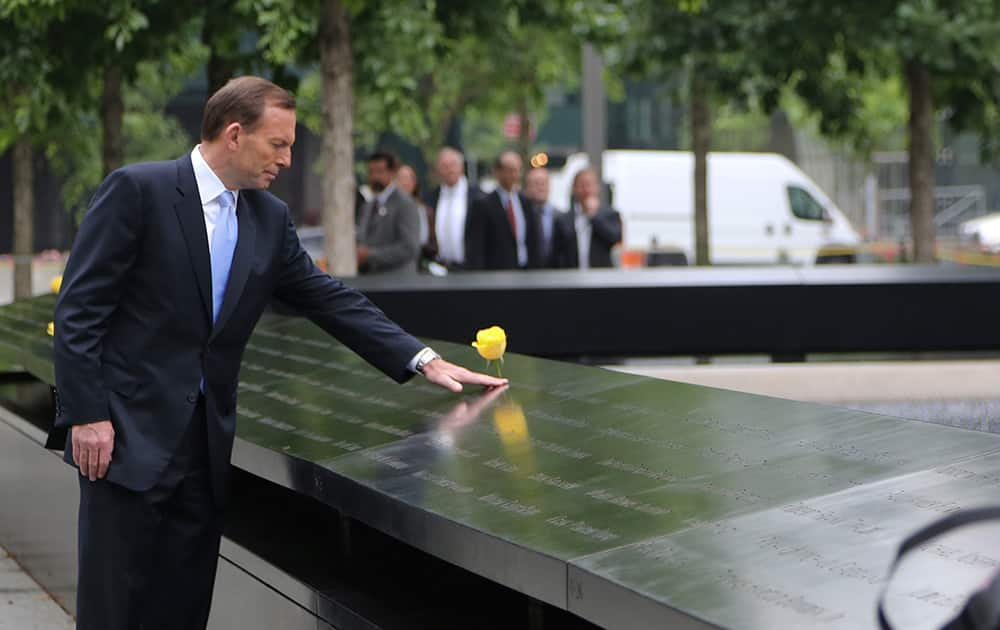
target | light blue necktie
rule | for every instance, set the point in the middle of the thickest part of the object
(221, 251)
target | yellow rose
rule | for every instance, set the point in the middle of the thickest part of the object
(56, 284)
(491, 343)
(51, 329)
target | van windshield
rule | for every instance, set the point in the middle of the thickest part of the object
(803, 205)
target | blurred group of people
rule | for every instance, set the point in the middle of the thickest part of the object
(457, 226)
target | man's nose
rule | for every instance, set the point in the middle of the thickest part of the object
(285, 158)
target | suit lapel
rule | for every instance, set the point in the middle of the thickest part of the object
(502, 217)
(191, 215)
(570, 232)
(239, 271)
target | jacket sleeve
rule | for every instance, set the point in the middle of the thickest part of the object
(342, 311)
(476, 234)
(607, 226)
(93, 281)
(533, 234)
(561, 243)
(405, 247)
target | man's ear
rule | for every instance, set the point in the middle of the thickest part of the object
(232, 134)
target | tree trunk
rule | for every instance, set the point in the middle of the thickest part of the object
(337, 153)
(700, 139)
(112, 115)
(220, 67)
(524, 135)
(781, 136)
(219, 71)
(921, 162)
(24, 210)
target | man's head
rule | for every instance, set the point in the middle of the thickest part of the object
(536, 185)
(382, 168)
(450, 165)
(507, 169)
(585, 185)
(247, 132)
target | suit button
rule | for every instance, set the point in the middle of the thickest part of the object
(192, 398)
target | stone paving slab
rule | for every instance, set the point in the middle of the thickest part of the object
(23, 603)
(841, 382)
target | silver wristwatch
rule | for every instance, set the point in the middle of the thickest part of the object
(426, 356)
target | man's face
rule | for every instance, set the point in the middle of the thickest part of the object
(264, 150)
(508, 172)
(536, 185)
(585, 186)
(449, 168)
(379, 175)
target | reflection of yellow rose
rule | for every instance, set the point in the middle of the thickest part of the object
(56, 284)
(51, 329)
(510, 423)
(491, 343)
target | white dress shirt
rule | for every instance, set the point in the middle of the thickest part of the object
(583, 231)
(209, 189)
(449, 221)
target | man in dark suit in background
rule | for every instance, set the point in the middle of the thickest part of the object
(584, 236)
(448, 206)
(388, 232)
(502, 231)
(172, 267)
(536, 188)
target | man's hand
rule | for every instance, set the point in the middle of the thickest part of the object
(92, 447)
(451, 376)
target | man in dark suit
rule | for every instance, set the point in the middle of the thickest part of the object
(448, 206)
(502, 230)
(172, 267)
(536, 188)
(583, 237)
(388, 231)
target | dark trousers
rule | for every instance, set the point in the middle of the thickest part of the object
(148, 559)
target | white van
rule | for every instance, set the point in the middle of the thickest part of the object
(761, 207)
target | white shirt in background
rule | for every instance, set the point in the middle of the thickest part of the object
(449, 221)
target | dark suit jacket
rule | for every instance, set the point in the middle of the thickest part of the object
(605, 232)
(489, 241)
(393, 239)
(431, 199)
(133, 322)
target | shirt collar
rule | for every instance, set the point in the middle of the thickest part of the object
(209, 184)
(461, 185)
(383, 196)
(507, 194)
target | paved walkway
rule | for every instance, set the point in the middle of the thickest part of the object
(962, 393)
(23, 604)
(836, 382)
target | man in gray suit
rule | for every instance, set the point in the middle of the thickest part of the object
(388, 233)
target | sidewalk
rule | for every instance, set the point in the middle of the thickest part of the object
(23, 603)
(960, 393)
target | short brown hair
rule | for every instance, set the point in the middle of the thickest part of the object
(242, 100)
(580, 173)
(390, 159)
